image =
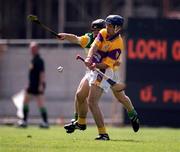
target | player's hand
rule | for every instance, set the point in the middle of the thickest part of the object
(41, 88)
(117, 63)
(61, 36)
(88, 62)
(92, 66)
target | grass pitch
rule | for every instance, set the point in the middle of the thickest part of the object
(55, 139)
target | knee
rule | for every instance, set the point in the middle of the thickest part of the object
(124, 99)
(79, 97)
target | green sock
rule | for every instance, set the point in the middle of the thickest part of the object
(132, 113)
(25, 111)
(43, 112)
(75, 115)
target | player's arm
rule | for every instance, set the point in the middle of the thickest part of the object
(91, 52)
(88, 60)
(98, 66)
(41, 81)
(94, 47)
(101, 66)
(41, 76)
(69, 37)
(117, 63)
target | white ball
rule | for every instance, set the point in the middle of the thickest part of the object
(60, 68)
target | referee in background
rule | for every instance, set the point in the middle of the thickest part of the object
(36, 87)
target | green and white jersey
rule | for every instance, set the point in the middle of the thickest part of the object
(85, 41)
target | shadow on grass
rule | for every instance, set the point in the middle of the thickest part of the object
(126, 140)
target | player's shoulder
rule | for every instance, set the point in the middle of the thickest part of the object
(86, 40)
(89, 35)
(40, 59)
(119, 42)
(90, 39)
(102, 34)
(103, 31)
(121, 39)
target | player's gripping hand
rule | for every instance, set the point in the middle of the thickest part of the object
(61, 36)
(92, 66)
(117, 63)
(88, 62)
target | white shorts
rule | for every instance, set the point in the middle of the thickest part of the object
(88, 75)
(116, 76)
(92, 79)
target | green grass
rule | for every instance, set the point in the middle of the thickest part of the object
(55, 139)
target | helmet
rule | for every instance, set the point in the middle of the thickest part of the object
(97, 24)
(115, 20)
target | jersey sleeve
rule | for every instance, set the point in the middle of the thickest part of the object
(100, 37)
(86, 40)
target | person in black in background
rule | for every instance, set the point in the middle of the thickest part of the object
(36, 87)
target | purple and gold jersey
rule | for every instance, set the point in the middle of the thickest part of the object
(109, 48)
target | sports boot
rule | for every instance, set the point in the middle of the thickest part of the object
(44, 125)
(22, 124)
(102, 137)
(135, 123)
(74, 125)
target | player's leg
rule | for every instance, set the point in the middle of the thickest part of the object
(24, 121)
(125, 100)
(98, 86)
(75, 117)
(95, 94)
(81, 96)
(43, 111)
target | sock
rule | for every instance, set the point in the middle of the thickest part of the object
(25, 111)
(43, 112)
(102, 130)
(75, 115)
(81, 121)
(132, 113)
